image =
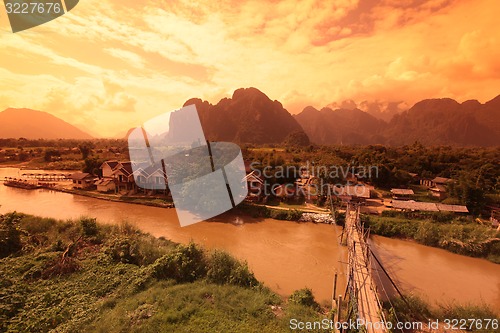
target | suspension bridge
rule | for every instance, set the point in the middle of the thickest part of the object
(360, 303)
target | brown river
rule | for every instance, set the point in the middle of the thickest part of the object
(284, 255)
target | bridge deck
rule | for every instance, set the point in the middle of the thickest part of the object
(368, 303)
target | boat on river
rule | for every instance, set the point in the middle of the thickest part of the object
(21, 183)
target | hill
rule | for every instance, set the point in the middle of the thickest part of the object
(445, 121)
(344, 126)
(248, 117)
(432, 122)
(31, 124)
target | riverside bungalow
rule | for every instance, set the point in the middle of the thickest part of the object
(123, 176)
(82, 180)
(150, 179)
(116, 176)
(105, 185)
(107, 168)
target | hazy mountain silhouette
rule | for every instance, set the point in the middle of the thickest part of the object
(432, 121)
(248, 117)
(445, 121)
(383, 110)
(345, 126)
(31, 124)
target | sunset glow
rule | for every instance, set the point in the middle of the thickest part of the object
(109, 65)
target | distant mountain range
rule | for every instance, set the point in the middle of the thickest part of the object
(384, 110)
(341, 126)
(31, 124)
(431, 121)
(249, 116)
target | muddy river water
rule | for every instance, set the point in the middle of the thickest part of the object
(284, 255)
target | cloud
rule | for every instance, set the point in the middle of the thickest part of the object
(139, 59)
(127, 56)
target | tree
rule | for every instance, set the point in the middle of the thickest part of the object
(50, 154)
(297, 139)
(92, 166)
(85, 149)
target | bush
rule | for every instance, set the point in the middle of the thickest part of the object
(124, 250)
(186, 263)
(303, 297)
(222, 269)
(89, 226)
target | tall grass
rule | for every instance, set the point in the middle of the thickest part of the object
(80, 276)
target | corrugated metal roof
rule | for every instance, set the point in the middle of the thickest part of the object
(428, 206)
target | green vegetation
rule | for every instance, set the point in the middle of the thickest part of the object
(79, 276)
(473, 170)
(439, 230)
(266, 212)
(304, 297)
(414, 309)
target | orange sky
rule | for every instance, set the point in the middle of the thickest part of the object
(111, 64)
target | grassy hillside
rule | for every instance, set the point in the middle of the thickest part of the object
(79, 276)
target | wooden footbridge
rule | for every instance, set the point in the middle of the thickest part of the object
(360, 303)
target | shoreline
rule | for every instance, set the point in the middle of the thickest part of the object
(279, 213)
(130, 200)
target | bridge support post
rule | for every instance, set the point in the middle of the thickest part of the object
(335, 285)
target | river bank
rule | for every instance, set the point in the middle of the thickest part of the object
(248, 208)
(110, 278)
(286, 256)
(436, 231)
(454, 235)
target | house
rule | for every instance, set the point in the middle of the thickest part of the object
(438, 191)
(307, 185)
(82, 180)
(401, 193)
(105, 185)
(121, 175)
(107, 168)
(255, 185)
(426, 182)
(156, 178)
(435, 181)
